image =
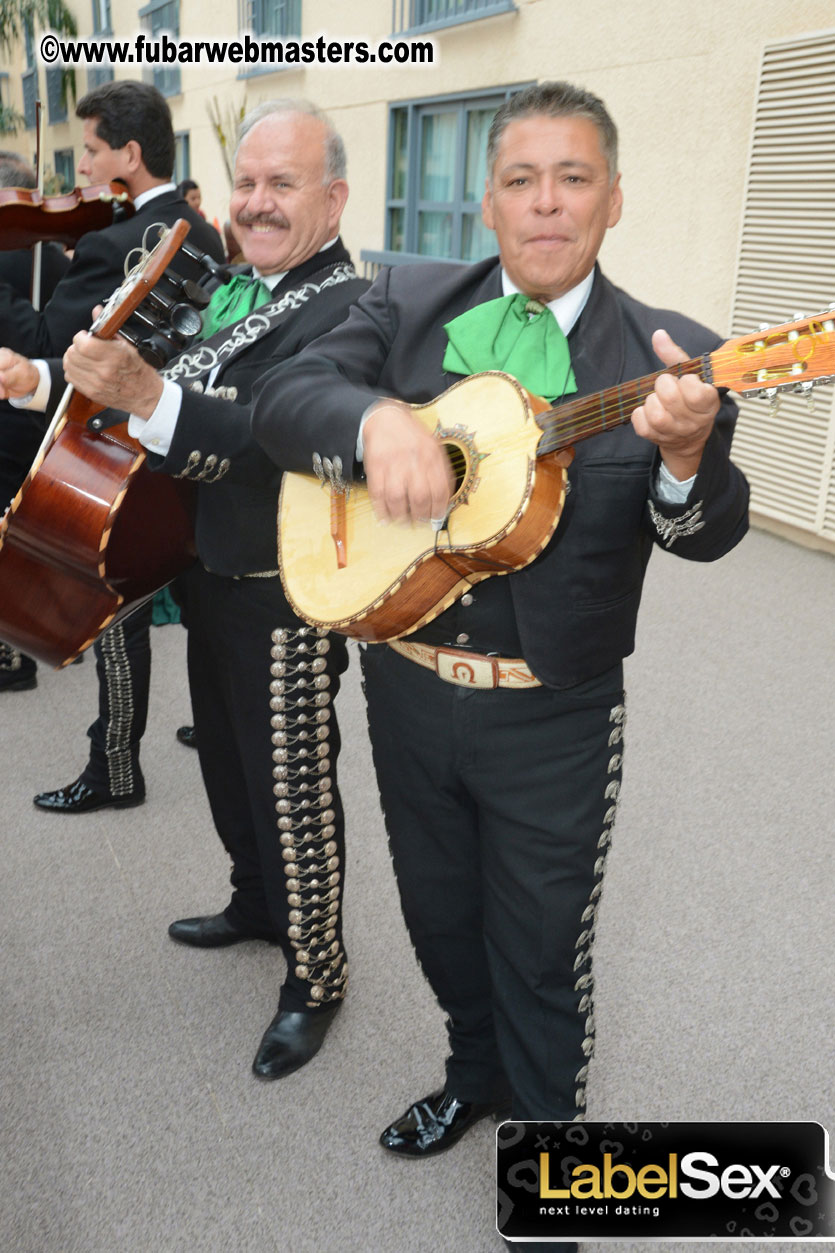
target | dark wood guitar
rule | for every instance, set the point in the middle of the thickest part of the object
(92, 533)
(342, 571)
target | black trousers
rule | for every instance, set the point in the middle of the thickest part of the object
(499, 807)
(20, 439)
(262, 691)
(123, 668)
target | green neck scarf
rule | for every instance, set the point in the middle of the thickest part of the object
(517, 335)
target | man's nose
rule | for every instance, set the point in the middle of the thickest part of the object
(548, 197)
(261, 199)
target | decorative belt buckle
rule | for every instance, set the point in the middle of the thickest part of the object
(466, 669)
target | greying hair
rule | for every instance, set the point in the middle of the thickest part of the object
(336, 165)
(555, 100)
(15, 171)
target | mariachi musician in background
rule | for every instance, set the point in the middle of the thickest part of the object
(128, 135)
(19, 436)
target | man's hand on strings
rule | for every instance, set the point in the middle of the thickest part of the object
(18, 376)
(112, 373)
(678, 415)
(408, 473)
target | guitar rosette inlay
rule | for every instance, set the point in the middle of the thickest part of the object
(464, 457)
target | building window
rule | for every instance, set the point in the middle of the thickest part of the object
(277, 19)
(102, 29)
(414, 15)
(55, 102)
(65, 168)
(437, 171)
(182, 156)
(30, 80)
(159, 16)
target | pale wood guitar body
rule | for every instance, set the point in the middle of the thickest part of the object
(396, 578)
(343, 571)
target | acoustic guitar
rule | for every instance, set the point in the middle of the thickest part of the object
(341, 570)
(92, 532)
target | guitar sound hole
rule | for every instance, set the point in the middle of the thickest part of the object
(460, 465)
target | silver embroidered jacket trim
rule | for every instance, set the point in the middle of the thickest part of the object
(328, 471)
(585, 940)
(671, 529)
(203, 359)
(119, 684)
(212, 470)
(300, 701)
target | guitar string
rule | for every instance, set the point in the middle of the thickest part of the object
(587, 413)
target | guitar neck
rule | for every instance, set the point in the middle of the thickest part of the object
(580, 419)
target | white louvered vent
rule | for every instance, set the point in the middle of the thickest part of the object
(787, 266)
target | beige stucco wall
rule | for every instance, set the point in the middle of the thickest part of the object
(680, 80)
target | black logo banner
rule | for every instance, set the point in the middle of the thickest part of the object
(656, 1180)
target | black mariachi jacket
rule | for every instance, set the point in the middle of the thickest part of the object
(576, 605)
(237, 497)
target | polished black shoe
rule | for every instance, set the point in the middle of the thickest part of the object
(212, 931)
(22, 679)
(291, 1040)
(187, 736)
(437, 1122)
(78, 798)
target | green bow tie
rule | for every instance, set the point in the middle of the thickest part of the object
(234, 300)
(514, 334)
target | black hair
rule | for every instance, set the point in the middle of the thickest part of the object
(555, 100)
(128, 110)
(15, 171)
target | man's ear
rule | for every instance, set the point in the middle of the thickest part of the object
(615, 202)
(337, 199)
(487, 207)
(133, 156)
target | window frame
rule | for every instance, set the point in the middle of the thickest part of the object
(411, 204)
(65, 153)
(408, 16)
(250, 18)
(182, 156)
(98, 75)
(166, 78)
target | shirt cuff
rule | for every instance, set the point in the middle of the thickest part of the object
(670, 489)
(360, 451)
(39, 398)
(157, 432)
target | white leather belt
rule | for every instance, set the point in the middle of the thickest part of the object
(468, 669)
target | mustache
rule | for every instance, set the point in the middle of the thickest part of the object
(262, 219)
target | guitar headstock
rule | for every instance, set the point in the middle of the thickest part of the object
(795, 356)
(139, 282)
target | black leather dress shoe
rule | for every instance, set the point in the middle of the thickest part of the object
(187, 736)
(437, 1122)
(211, 931)
(291, 1040)
(23, 679)
(78, 798)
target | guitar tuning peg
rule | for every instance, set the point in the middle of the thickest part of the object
(763, 326)
(797, 317)
(831, 308)
(773, 398)
(805, 389)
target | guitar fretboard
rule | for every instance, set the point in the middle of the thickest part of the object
(580, 419)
